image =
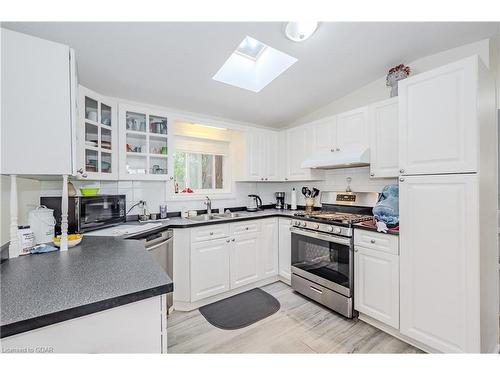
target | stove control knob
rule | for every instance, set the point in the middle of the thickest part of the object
(329, 228)
(316, 226)
(337, 230)
(296, 222)
(304, 224)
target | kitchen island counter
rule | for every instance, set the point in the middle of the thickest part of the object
(99, 274)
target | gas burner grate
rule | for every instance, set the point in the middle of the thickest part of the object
(336, 216)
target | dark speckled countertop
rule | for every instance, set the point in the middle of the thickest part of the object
(100, 273)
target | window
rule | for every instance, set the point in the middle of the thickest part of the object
(201, 159)
(198, 172)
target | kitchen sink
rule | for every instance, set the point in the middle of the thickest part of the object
(229, 215)
(205, 217)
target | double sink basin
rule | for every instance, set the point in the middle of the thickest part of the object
(214, 217)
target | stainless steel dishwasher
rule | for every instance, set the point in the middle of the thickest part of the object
(161, 247)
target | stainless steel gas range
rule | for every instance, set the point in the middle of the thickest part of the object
(323, 249)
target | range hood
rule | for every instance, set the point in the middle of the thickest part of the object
(349, 157)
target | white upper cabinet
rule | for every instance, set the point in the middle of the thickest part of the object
(384, 130)
(440, 298)
(352, 128)
(38, 85)
(257, 156)
(271, 162)
(300, 143)
(438, 120)
(325, 132)
(97, 136)
(145, 140)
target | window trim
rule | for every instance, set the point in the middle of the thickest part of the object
(226, 189)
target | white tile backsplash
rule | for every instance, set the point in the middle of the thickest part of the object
(335, 180)
(156, 192)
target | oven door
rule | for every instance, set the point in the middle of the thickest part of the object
(324, 259)
(101, 211)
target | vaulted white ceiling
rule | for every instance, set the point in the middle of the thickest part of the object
(172, 64)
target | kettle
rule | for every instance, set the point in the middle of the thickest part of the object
(255, 203)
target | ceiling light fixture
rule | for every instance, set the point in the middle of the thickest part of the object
(300, 31)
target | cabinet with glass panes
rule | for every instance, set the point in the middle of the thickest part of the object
(144, 139)
(97, 136)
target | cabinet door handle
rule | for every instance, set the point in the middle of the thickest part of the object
(266, 178)
(211, 233)
(401, 171)
(332, 150)
(262, 178)
(228, 241)
(337, 149)
(372, 174)
(246, 228)
(355, 250)
(401, 179)
(372, 241)
(233, 239)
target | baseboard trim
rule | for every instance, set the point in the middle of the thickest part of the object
(285, 280)
(394, 332)
(189, 306)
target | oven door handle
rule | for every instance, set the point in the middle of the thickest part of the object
(320, 236)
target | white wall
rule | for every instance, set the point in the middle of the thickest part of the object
(28, 193)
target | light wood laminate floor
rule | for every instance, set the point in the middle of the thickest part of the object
(300, 326)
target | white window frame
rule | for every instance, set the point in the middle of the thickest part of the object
(225, 183)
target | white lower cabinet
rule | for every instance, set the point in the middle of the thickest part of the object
(137, 327)
(440, 300)
(285, 248)
(209, 268)
(269, 248)
(376, 284)
(244, 259)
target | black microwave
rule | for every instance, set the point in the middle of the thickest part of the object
(88, 213)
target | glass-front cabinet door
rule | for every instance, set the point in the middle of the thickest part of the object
(144, 139)
(97, 136)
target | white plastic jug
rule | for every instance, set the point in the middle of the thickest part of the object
(42, 223)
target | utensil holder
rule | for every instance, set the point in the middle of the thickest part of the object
(310, 204)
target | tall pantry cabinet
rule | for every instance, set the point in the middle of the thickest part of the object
(448, 208)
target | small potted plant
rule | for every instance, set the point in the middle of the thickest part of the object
(396, 74)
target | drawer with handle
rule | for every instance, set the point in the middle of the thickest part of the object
(376, 241)
(245, 227)
(209, 232)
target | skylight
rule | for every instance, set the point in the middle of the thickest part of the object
(253, 65)
(251, 48)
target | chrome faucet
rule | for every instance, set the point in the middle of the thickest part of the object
(208, 203)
